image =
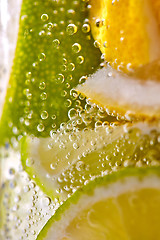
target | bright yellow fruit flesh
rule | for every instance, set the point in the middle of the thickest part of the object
(122, 206)
(127, 31)
(130, 216)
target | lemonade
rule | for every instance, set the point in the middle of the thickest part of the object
(81, 109)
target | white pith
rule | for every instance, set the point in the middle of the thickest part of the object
(115, 89)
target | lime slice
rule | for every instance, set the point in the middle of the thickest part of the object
(131, 96)
(54, 53)
(127, 31)
(121, 206)
(66, 162)
(50, 160)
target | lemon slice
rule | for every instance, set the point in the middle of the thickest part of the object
(54, 52)
(127, 31)
(131, 96)
(66, 162)
(122, 206)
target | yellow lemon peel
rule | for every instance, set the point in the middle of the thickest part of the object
(127, 31)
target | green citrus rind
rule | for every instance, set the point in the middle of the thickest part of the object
(47, 66)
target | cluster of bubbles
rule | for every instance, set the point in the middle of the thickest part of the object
(91, 153)
(24, 207)
(39, 108)
(85, 154)
(91, 143)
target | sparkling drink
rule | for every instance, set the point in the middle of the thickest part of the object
(80, 101)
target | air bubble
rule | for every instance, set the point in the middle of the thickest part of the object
(67, 85)
(71, 67)
(26, 188)
(41, 57)
(32, 185)
(29, 96)
(42, 85)
(40, 127)
(12, 171)
(71, 29)
(98, 124)
(54, 125)
(44, 17)
(43, 96)
(26, 91)
(15, 207)
(81, 96)
(80, 59)
(72, 137)
(44, 115)
(27, 82)
(24, 17)
(29, 162)
(13, 184)
(26, 122)
(69, 77)
(52, 166)
(68, 103)
(46, 201)
(60, 78)
(63, 93)
(109, 74)
(64, 61)
(63, 67)
(75, 145)
(82, 79)
(33, 232)
(56, 43)
(105, 44)
(72, 113)
(73, 94)
(35, 64)
(15, 130)
(86, 28)
(17, 198)
(52, 133)
(50, 26)
(28, 75)
(96, 44)
(42, 33)
(53, 116)
(70, 12)
(121, 39)
(76, 47)
(98, 23)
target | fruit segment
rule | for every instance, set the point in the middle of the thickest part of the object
(68, 161)
(127, 31)
(122, 206)
(63, 163)
(130, 96)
